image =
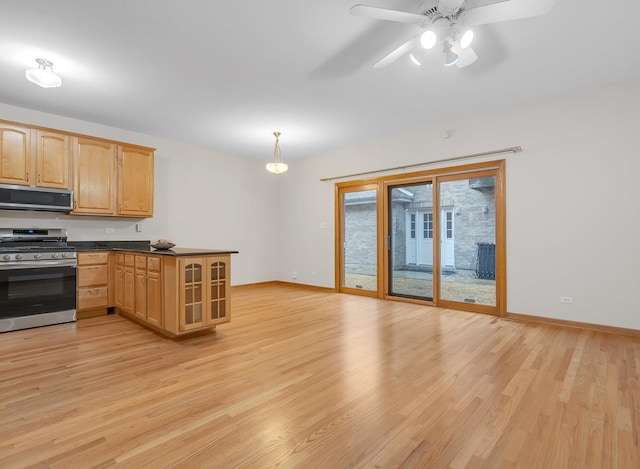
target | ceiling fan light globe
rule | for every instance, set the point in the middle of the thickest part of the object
(414, 59)
(450, 58)
(466, 39)
(428, 39)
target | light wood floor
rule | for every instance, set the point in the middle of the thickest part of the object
(308, 379)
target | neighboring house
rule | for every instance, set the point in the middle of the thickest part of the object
(467, 219)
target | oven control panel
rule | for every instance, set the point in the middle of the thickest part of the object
(35, 256)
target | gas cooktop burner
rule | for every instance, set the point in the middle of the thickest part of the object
(34, 244)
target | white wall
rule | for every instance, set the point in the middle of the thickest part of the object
(573, 216)
(572, 206)
(203, 199)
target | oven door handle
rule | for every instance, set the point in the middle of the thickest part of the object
(20, 265)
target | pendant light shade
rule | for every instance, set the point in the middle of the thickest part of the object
(43, 75)
(277, 167)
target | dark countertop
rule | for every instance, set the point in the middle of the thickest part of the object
(143, 247)
(178, 252)
(83, 246)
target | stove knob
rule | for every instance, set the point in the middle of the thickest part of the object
(65, 254)
(18, 256)
(55, 255)
(6, 257)
(37, 255)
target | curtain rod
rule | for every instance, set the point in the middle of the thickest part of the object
(455, 158)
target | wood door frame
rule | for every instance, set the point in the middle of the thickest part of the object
(500, 308)
(340, 190)
(495, 168)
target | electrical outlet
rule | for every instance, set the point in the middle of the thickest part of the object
(293, 275)
(566, 299)
(109, 230)
(139, 227)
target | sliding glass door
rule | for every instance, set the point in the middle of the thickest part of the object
(358, 220)
(467, 206)
(410, 240)
(435, 237)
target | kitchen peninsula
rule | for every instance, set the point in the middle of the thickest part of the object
(174, 292)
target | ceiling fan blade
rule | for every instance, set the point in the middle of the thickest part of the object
(388, 15)
(399, 52)
(465, 56)
(506, 11)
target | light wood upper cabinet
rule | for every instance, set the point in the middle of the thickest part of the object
(15, 154)
(108, 178)
(52, 159)
(135, 181)
(94, 176)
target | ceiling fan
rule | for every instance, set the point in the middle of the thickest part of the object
(447, 22)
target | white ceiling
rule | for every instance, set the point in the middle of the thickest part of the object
(226, 74)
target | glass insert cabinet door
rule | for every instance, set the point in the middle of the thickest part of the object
(204, 291)
(192, 301)
(359, 238)
(218, 297)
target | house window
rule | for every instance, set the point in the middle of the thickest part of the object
(427, 225)
(413, 226)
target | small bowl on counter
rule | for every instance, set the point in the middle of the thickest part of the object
(163, 246)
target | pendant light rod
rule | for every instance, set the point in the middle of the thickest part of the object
(455, 158)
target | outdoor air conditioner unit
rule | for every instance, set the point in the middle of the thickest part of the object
(482, 184)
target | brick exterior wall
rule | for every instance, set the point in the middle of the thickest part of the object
(360, 242)
(471, 224)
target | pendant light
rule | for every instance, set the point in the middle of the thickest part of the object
(43, 75)
(277, 167)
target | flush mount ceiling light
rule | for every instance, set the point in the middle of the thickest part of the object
(43, 75)
(277, 167)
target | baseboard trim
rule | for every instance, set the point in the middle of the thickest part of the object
(271, 283)
(510, 316)
(274, 283)
(573, 324)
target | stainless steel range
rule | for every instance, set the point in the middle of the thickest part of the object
(37, 278)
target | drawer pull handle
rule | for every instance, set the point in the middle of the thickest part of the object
(94, 292)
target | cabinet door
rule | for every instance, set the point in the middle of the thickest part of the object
(218, 292)
(154, 299)
(135, 181)
(15, 154)
(119, 296)
(191, 293)
(52, 159)
(140, 293)
(94, 176)
(129, 290)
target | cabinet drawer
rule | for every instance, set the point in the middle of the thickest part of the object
(93, 275)
(141, 262)
(93, 298)
(129, 259)
(87, 258)
(119, 258)
(154, 264)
